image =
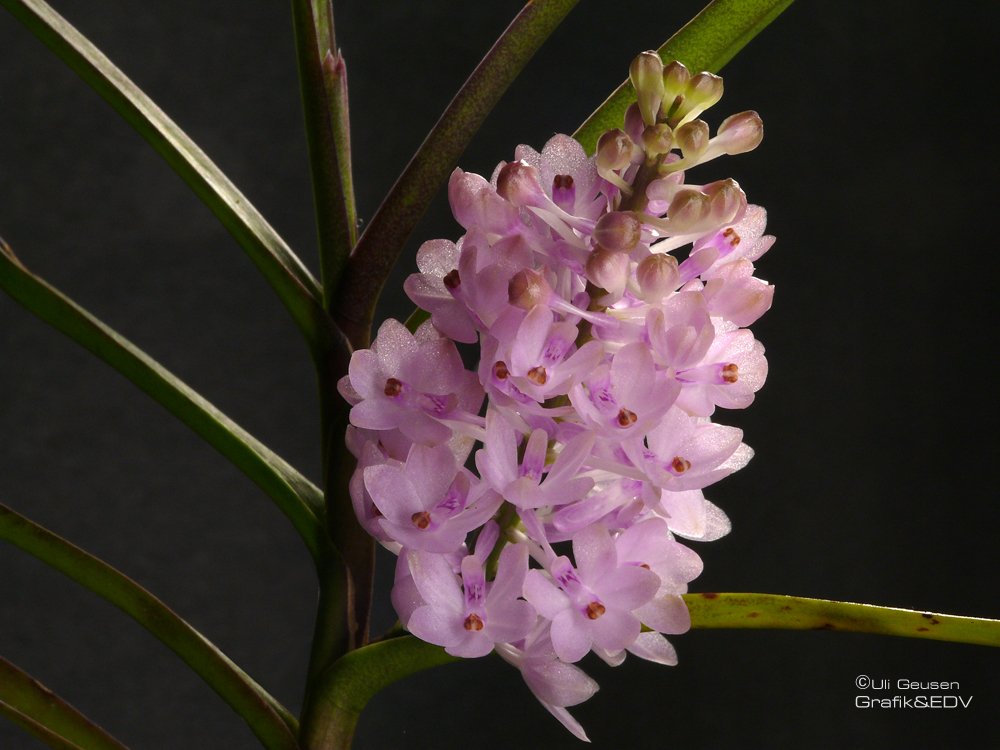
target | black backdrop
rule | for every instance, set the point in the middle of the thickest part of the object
(875, 435)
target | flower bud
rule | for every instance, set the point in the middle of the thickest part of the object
(614, 150)
(657, 276)
(693, 138)
(740, 133)
(688, 210)
(657, 139)
(528, 288)
(675, 81)
(704, 90)
(618, 231)
(608, 269)
(727, 201)
(646, 74)
(519, 183)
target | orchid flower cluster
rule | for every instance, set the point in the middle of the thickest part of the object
(610, 300)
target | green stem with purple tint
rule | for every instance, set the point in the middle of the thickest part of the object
(407, 201)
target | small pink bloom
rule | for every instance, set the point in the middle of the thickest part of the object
(428, 503)
(469, 616)
(411, 384)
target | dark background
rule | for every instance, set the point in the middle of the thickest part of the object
(875, 435)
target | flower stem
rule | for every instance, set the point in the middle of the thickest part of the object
(323, 74)
(347, 567)
(352, 681)
(396, 218)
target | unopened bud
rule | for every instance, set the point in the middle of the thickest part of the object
(704, 90)
(657, 277)
(520, 184)
(675, 81)
(658, 139)
(528, 288)
(688, 210)
(727, 201)
(693, 138)
(646, 74)
(618, 231)
(614, 150)
(740, 133)
(608, 269)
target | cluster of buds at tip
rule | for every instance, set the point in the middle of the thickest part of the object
(663, 123)
(604, 354)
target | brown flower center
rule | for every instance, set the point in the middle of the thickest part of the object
(731, 373)
(562, 181)
(538, 375)
(595, 610)
(393, 387)
(626, 418)
(680, 465)
(500, 371)
(473, 622)
(421, 520)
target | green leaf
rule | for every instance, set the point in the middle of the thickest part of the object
(350, 683)
(33, 706)
(294, 285)
(37, 729)
(268, 719)
(295, 495)
(397, 217)
(771, 611)
(323, 74)
(707, 42)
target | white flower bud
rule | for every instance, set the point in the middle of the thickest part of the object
(646, 74)
(528, 288)
(520, 184)
(657, 276)
(740, 133)
(618, 230)
(608, 269)
(657, 139)
(693, 138)
(704, 90)
(728, 201)
(675, 81)
(688, 210)
(614, 150)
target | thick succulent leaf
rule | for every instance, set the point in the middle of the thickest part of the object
(407, 201)
(776, 611)
(286, 274)
(274, 726)
(39, 711)
(295, 495)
